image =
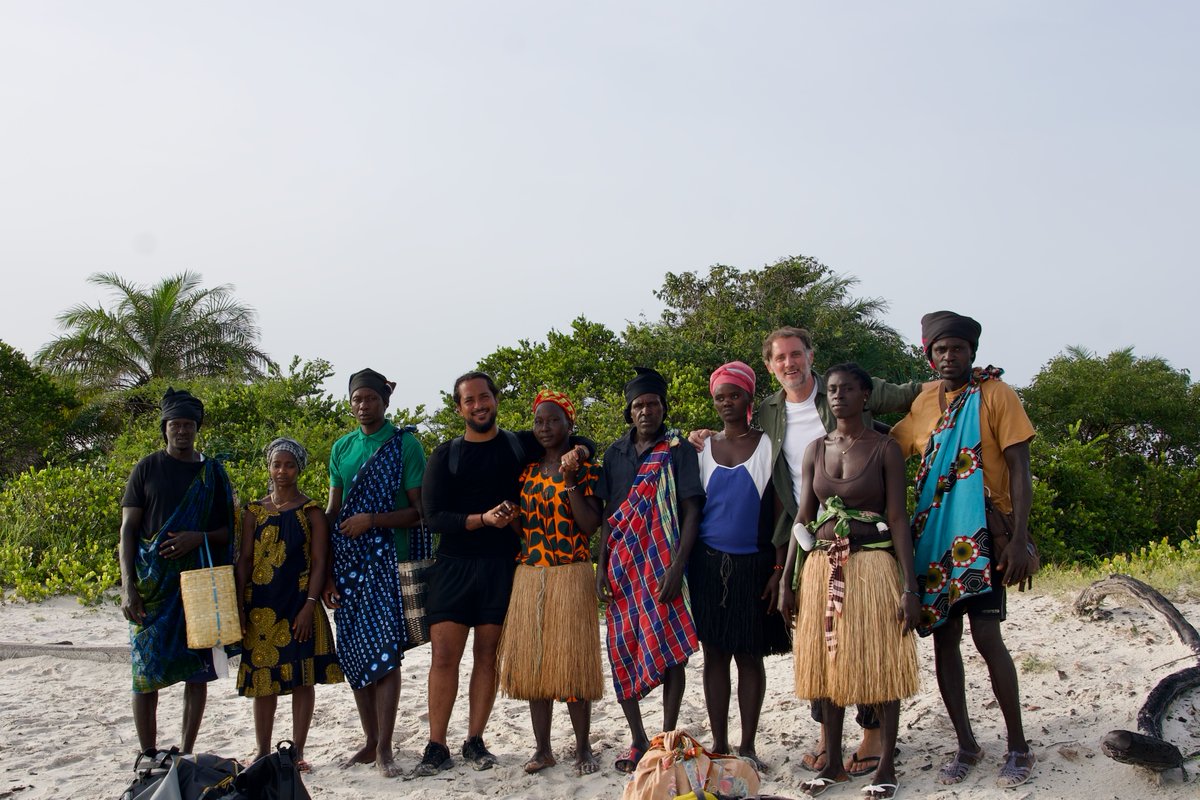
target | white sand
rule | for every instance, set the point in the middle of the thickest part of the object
(66, 728)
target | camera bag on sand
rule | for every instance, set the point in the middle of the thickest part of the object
(167, 775)
(274, 777)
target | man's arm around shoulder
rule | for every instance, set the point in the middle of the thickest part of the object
(887, 398)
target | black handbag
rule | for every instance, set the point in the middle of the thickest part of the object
(273, 777)
(201, 777)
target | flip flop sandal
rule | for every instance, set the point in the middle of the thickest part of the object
(956, 769)
(862, 766)
(1014, 774)
(881, 791)
(812, 761)
(818, 786)
(627, 762)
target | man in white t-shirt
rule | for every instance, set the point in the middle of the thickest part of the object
(794, 417)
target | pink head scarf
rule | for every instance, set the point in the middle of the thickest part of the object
(737, 373)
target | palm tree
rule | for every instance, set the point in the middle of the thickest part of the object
(174, 329)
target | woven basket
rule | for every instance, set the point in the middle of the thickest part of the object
(210, 607)
(413, 588)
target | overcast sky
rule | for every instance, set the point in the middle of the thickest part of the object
(410, 186)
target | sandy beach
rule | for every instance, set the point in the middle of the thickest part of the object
(66, 728)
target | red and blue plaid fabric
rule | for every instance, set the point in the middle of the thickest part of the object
(645, 637)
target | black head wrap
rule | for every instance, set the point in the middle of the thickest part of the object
(940, 324)
(648, 381)
(370, 379)
(180, 404)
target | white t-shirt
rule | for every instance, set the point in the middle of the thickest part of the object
(804, 427)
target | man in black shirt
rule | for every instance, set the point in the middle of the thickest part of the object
(469, 494)
(174, 500)
(470, 497)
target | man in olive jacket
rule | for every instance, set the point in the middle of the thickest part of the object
(794, 417)
(798, 414)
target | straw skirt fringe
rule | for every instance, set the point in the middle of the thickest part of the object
(550, 646)
(873, 663)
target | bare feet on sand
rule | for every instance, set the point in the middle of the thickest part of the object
(586, 763)
(539, 761)
(366, 755)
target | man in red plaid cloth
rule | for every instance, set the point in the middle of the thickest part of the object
(653, 500)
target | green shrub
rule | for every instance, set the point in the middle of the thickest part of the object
(1090, 503)
(1173, 569)
(59, 528)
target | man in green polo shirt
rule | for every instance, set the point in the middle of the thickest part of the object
(351, 451)
(375, 476)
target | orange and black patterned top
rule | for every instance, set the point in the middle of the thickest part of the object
(549, 536)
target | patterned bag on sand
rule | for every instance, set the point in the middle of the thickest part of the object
(677, 765)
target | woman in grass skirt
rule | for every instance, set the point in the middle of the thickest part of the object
(734, 571)
(550, 647)
(858, 594)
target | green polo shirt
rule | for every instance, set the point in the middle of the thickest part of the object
(351, 451)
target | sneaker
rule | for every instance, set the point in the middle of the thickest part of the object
(436, 759)
(476, 754)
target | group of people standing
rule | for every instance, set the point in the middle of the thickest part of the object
(712, 541)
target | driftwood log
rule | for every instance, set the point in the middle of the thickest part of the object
(1147, 748)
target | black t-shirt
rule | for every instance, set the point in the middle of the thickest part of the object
(488, 473)
(157, 486)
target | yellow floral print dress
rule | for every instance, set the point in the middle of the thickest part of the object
(273, 662)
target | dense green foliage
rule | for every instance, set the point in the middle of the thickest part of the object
(35, 413)
(1114, 462)
(59, 526)
(173, 330)
(1140, 407)
(707, 320)
(724, 315)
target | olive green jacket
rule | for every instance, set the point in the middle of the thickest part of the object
(885, 398)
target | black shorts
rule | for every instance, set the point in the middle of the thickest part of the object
(989, 605)
(469, 591)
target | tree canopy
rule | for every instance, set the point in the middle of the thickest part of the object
(1133, 405)
(172, 330)
(724, 315)
(34, 412)
(1113, 462)
(708, 320)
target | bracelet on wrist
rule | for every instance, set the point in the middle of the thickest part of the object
(311, 599)
(913, 592)
(778, 567)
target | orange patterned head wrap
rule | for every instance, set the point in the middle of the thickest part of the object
(559, 399)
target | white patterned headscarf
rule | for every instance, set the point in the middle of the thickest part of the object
(288, 446)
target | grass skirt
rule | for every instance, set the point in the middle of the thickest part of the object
(550, 646)
(873, 663)
(726, 592)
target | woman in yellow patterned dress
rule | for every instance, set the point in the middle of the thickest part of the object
(550, 647)
(288, 646)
